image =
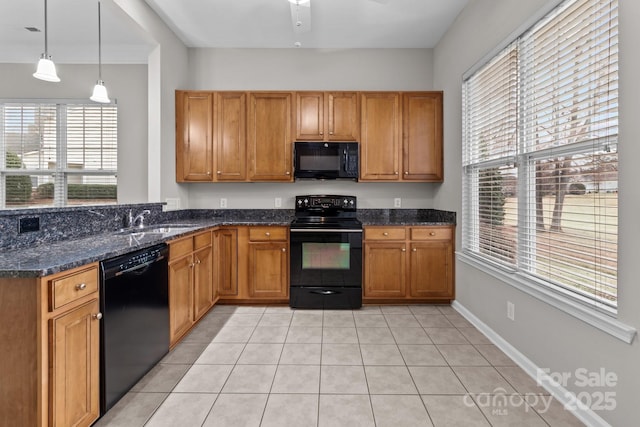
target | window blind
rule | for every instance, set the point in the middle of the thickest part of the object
(544, 202)
(57, 153)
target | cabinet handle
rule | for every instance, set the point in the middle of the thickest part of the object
(433, 233)
(267, 234)
(385, 234)
(97, 316)
(81, 286)
(284, 249)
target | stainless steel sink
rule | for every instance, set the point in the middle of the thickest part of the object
(156, 229)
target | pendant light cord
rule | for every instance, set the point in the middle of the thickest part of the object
(46, 44)
(99, 43)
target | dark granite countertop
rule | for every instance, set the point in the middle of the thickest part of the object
(48, 257)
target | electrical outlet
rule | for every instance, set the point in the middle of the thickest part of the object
(223, 202)
(511, 310)
(278, 202)
(26, 225)
(397, 202)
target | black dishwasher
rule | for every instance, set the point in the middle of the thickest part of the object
(134, 335)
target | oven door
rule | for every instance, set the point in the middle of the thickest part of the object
(326, 268)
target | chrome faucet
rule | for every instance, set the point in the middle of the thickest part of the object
(138, 219)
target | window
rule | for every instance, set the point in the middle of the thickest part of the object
(540, 124)
(57, 153)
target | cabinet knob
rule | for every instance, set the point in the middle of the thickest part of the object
(288, 173)
(330, 133)
(433, 233)
(284, 249)
(81, 286)
(97, 316)
(322, 133)
(192, 265)
(385, 234)
(396, 172)
(208, 172)
(406, 173)
(414, 250)
(404, 250)
(219, 172)
(267, 234)
(197, 261)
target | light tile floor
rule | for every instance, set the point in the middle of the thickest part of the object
(417, 365)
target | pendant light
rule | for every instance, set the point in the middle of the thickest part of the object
(46, 68)
(99, 90)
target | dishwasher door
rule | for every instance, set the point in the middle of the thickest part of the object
(134, 298)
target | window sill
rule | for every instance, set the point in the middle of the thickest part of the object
(568, 305)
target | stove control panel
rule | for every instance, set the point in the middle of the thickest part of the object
(333, 202)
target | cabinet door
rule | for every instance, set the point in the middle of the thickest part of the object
(180, 297)
(226, 268)
(269, 137)
(422, 136)
(194, 136)
(380, 137)
(268, 270)
(385, 269)
(343, 119)
(230, 137)
(203, 296)
(432, 270)
(310, 116)
(75, 366)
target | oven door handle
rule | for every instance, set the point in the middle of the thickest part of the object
(325, 292)
(323, 230)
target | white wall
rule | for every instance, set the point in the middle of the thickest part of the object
(127, 84)
(548, 337)
(310, 69)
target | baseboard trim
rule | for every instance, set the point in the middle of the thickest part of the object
(564, 396)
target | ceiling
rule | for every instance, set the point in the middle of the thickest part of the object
(325, 24)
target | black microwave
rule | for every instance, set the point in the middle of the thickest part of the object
(325, 160)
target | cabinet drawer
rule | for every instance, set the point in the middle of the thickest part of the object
(265, 234)
(202, 240)
(384, 233)
(74, 286)
(431, 233)
(180, 248)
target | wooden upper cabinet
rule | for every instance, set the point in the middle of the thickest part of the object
(422, 136)
(269, 136)
(310, 114)
(342, 116)
(230, 157)
(327, 116)
(194, 136)
(380, 136)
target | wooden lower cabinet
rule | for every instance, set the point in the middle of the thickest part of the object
(192, 288)
(408, 263)
(262, 265)
(75, 366)
(226, 262)
(268, 270)
(385, 269)
(50, 346)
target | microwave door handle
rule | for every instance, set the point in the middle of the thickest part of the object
(346, 160)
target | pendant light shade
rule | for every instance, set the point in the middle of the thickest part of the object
(46, 68)
(100, 93)
(99, 90)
